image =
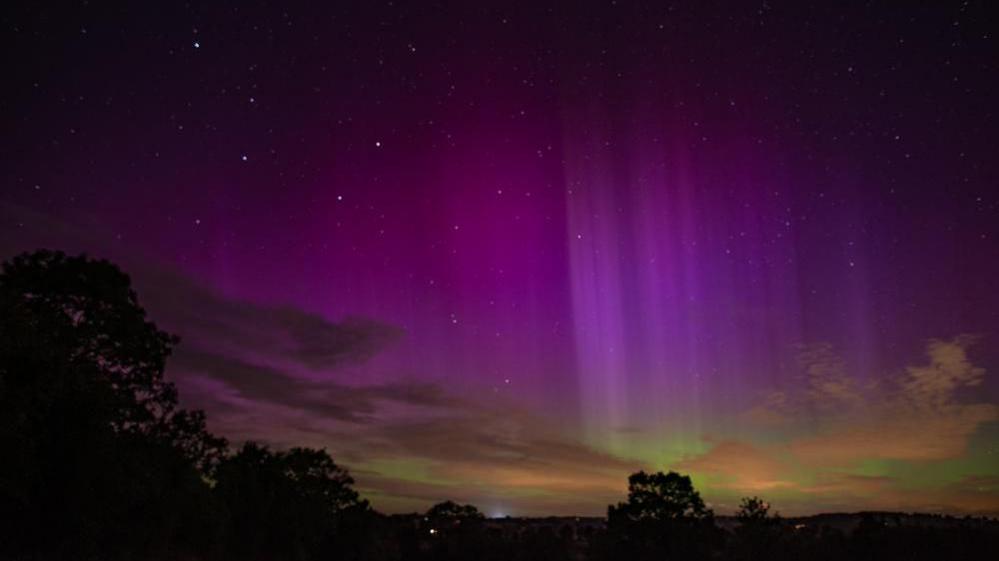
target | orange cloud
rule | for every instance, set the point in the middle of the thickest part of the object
(740, 466)
(915, 416)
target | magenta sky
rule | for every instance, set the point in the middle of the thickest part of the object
(508, 255)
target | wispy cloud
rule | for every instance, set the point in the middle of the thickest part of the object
(916, 417)
(913, 416)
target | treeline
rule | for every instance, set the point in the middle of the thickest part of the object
(99, 462)
(644, 531)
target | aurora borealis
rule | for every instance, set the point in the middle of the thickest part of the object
(508, 254)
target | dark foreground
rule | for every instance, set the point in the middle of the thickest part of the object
(419, 537)
(880, 536)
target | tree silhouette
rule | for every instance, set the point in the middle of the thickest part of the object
(660, 496)
(664, 517)
(753, 511)
(101, 462)
(456, 532)
(759, 533)
(92, 431)
(283, 505)
(450, 510)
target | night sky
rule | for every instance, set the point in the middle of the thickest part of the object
(510, 254)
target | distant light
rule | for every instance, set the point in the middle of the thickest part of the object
(378, 144)
(197, 45)
(433, 530)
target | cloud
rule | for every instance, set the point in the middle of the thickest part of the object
(830, 388)
(931, 387)
(501, 452)
(206, 319)
(472, 449)
(915, 418)
(467, 446)
(772, 411)
(847, 486)
(739, 466)
(972, 495)
(255, 384)
(915, 415)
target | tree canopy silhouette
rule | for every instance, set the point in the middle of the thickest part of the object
(99, 457)
(664, 517)
(660, 496)
(450, 510)
(755, 511)
(92, 431)
(284, 505)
